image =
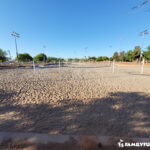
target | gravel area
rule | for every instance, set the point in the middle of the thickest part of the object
(79, 99)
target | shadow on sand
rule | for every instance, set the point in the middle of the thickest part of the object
(138, 74)
(121, 114)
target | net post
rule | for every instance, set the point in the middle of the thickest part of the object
(113, 67)
(142, 67)
(33, 66)
(59, 66)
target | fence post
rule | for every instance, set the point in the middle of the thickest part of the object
(59, 65)
(33, 65)
(109, 63)
(113, 66)
(142, 67)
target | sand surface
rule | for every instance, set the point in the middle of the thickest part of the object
(79, 99)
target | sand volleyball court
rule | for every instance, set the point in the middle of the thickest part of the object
(75, 100)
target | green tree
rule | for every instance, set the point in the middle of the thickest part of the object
(76, 59)
(116, 56)
(24, 57)
(128, 56)
(99, 58)
(70, 59)
(40, 57)
(92, 58)
(104, 58)
(60, 59)
(141, 5)
(122, 56)
(84, 59)
(3, 55)
(52, 59)
(111, 58)
(147, 53)
(136, 52)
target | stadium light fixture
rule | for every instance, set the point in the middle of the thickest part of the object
(142, 34)
(86, 51)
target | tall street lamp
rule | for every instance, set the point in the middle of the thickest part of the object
(142, 34)
(16, 35)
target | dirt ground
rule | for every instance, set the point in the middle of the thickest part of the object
(79, 99)
(86, 143)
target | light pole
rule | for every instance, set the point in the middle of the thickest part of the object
(110, 46)
(142, 34)
(121, 38)
(113, 61)
(16, 35)
(9, 54)
(85, 50)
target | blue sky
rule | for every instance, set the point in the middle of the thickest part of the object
(66, 27)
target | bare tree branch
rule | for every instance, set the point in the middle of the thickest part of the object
(141, 5)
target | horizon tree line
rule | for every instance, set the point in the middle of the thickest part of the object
(129, 56)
